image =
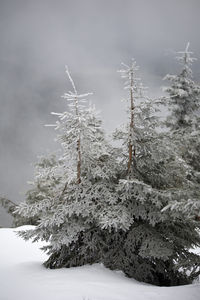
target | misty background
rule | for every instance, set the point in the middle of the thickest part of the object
(39, 37)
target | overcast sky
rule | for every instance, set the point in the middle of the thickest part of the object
(39, 37)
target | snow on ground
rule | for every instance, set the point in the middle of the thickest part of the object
(23, 277)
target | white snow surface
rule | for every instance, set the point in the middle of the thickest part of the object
(23, 277)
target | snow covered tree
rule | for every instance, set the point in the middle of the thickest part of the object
(184, 106)
(184, 124)
(17, 220)
(184, 103)
(44, 183)
(10, 207)
(152, 245)
(73, 204)
(101, 204)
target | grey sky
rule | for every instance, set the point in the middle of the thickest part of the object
(38, 38)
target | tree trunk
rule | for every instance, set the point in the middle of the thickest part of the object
(130, 146)
(79, 161)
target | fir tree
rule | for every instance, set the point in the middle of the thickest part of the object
(112, 209)
(184, 106)
(17, 219)
(10, 207)
(44, 183)
(153, 245)
(72, 211)
(184, 101)
(184, 124)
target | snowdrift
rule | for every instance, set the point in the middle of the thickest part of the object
(23, 277)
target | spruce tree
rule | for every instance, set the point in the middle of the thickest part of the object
(10, 207)
(183, 122)
(154, 245)
(72, 211)
(45, 181)
(109, 205)
(184, 106)
(184, 101)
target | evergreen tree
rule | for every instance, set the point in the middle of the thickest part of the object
(45, 181)
(184, 102)
(153, 245)
(184, 124)
(184, 106)
(110, 205)
(10, 207)
(71, 211)
(17, 220)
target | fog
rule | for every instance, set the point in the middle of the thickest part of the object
(38, 38)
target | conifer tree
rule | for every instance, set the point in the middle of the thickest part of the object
(184, 106)
(17, 219)
(184, 101)
(72, 211)
(10, 207)
(153, 245)
(45, 181)
(184, 124)
(109, 205)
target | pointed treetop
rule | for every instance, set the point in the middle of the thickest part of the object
(187, 46)
(77, 100)
(133, 82)
(185, 58)
(71, 80)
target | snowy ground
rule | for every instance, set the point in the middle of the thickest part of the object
(22, 277)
